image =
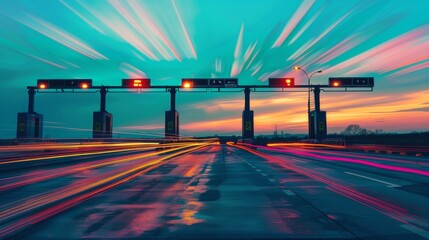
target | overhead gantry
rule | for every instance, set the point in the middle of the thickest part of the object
(30, 124)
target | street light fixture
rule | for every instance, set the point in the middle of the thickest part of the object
(308, 99)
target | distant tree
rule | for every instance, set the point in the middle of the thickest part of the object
(354, 130)
(378, 132)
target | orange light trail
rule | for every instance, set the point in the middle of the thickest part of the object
(31, 178)
(68, 154)
(112, 178)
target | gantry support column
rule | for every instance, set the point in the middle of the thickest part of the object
(247, 118)
(102, 121)
(318, 125)
(172, 117)
(30, 124)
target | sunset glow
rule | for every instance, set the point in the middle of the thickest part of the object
(168, 40)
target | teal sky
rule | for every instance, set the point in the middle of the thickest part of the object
(167, 40)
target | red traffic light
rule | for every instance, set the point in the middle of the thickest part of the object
(64, 83)
(281, 82)
(136, 83)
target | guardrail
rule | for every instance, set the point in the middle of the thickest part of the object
(391, 149)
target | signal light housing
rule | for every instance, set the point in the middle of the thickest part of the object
(136, 83)
(209, 82)
(351, 82)
(64, 83)
(281, 82)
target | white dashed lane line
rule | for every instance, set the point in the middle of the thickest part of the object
(289, 192)
(373, 179)
(416, 230)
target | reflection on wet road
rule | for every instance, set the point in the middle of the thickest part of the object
(212, 191)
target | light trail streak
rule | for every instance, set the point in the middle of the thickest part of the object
(104, 182)
(384, 207)
(60, 154)
(356, 161)
(73, 145)
(8, 161)
(302, 145)
(39, 176)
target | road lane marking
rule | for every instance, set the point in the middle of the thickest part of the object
(289, 192)
(373, 179)
(264, 174)
(416, 230)
(272, 180)
(258, 170)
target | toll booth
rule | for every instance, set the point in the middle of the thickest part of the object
(171, 124)
(318, 126)
(102, 125)
(248, 125)
(30, 125)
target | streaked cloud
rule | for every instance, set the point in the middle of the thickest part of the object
(59, 35)
(193, 53)
(293, 22)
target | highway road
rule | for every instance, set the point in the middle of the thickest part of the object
(211, 191)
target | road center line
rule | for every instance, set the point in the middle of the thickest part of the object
(373, 179)
(416, 230)
(264, 174)
(289, 192)
(271, 180)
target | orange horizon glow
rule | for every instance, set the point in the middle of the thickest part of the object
(384, 111)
